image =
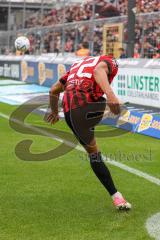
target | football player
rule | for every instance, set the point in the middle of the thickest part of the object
(84, 86)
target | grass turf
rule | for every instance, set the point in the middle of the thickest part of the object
(62, 199)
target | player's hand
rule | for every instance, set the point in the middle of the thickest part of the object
(114, 104)
(52, 118)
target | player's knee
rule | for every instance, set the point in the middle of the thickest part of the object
(95, 158)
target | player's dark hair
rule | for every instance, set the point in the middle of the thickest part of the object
(85, 44)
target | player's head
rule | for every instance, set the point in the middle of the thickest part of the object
(85, 45)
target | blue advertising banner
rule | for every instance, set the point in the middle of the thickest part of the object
(49, 73)
(46, 74)
(29, 71)
(137, 122)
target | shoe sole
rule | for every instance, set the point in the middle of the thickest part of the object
(124, 207)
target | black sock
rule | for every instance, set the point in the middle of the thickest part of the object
(102, 172)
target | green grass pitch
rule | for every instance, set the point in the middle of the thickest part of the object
(61, 199)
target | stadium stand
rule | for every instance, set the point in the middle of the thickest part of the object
(69, 39)
(79, 12)
(82, 12)
(149, 31)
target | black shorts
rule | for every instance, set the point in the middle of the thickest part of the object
(82, 120)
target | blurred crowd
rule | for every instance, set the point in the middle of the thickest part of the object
(78, 12)
(72, 39)
(145, 6)
(147, 38)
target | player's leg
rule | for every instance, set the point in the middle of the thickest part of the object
(99, 168)
(84, 131)
(85, 135)
(103, 174)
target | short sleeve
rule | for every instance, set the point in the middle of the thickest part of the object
(64, 78)
(111, 63)
(108, 65)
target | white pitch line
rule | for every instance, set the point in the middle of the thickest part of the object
(146, 111)
(153, 226)
(131, 170)
(137, 109)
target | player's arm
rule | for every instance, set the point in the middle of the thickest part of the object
(54, 92)
(101, 77)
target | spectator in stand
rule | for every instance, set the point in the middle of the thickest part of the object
(157, 55)
(136, 53)
(69, 45)
(122, 53)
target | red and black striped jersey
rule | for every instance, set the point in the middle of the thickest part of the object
(80, 85)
